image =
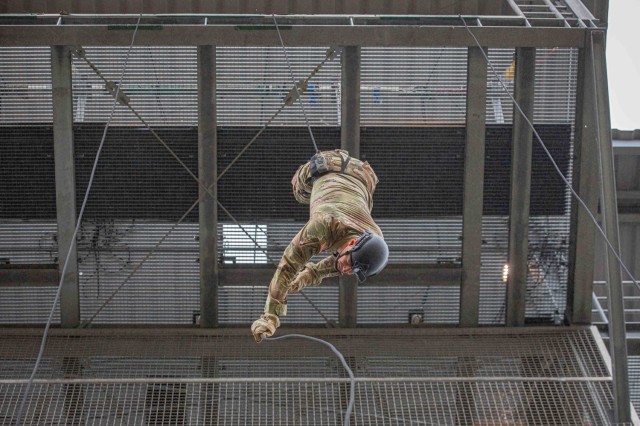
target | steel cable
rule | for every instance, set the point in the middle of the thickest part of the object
(295, 85)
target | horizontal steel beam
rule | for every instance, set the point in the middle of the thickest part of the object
(203, 380)
(40, 275)
(393, 275)
(380, 332)
(170, 342)
(453, 35)
(628, 195)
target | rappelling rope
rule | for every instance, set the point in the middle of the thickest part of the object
(25, 395)
(352, 389)
(555, 165)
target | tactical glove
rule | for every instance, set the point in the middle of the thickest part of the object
(305, 278)
(269, 321)
(265, 325)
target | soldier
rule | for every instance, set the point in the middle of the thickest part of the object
(339, 190)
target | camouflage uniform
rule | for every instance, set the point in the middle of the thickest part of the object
(340, 210)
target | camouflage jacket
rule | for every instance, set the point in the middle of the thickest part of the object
(340, 209)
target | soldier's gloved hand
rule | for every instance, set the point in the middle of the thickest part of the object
(302, 280)
(269, 321)
(265, 325)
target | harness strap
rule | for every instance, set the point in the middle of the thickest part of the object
(345, 163)
(317, 172)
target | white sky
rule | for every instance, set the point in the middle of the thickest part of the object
(623, 63)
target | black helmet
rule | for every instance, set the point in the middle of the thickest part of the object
(368, 256)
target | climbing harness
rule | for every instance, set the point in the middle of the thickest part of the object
(323, 163)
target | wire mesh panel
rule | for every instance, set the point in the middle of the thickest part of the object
(132, 271)
(28, 248)
(554, 105)
(394, 305)
(518, 403)
(136, 176)
(243, 304)
(27, 181)
(420, 171)
(127, 264)
(423, 241)
(555, 85)
(252, 84)
(399, 352)
(500, 75)
(313, 403)
(493, 286)
(27, 186)
(413, 87)
(137, 272)
(634, 380)
(554, 113)
(27, 305)
(32, 244)
(257, 187)
(160, 82)
(418, 205)
(402, 377)
(25, 85)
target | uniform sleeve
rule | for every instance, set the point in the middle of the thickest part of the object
(313, 273)
(301, 184)
(306, 244)
(324, 269)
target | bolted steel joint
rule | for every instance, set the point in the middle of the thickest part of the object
(119, 94)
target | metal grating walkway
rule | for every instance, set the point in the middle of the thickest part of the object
(537, 376)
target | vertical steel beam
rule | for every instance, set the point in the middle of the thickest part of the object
(65, 183)
(609, 214)
(585, 180)
(207, 173)
(473, 187)
(522, 138)
(350, 141)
